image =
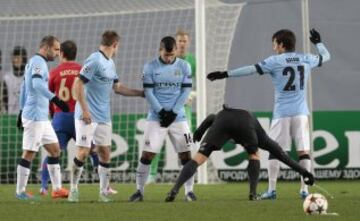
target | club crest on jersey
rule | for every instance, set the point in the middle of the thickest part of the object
(147, 142)
(178, 73)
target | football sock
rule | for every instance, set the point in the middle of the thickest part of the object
(186, 173)
(273, 171)
(142, 173)
(23, 172)
(76, 171)
(189, 184)
(253, 173)
(304, 161)
(104, 176)
(54, 172)
(45, 174)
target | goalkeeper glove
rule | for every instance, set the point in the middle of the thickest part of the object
(61, 104)
(217, 75)
(315, 36)
(168, 119)
(19, 121)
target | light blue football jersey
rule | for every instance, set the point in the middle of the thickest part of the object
(99, 73)
(289, 74)
(36, 101)
(167, 86)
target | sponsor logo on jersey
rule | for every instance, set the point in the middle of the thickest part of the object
(168, 84)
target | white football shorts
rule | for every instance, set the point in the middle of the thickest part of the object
(98, 133)
(296, 128)
(179, 134)
(37, 133)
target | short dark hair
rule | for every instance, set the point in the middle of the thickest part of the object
(48, 41)
(287, 38)
(69, 50)
(168, 43)
(109, 37)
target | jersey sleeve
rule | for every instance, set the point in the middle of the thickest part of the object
(88, 70)
(185, 88)
(148, 84)
(265, 66)
(39, 73)
(116, 76)
(313, 60)
(187, 81)
(147, 77)
(38, 70)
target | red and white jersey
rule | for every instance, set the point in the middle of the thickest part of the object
(61, 82)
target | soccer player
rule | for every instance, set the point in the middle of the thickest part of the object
(61, 83)
(182, 42)
(289, 73)
(241, 126)
(167, 85)
(93, 88)
(33, 117)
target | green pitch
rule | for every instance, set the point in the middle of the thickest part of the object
(215, 202)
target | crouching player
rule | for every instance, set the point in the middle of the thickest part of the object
(244, 129)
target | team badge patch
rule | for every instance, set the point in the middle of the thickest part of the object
(85, 69)
(37, 70)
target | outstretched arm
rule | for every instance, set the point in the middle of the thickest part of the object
(122, 89)
(199, 132)
(315, 38)
(239, 72)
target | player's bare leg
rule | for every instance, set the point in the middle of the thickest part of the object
(54, 171)
(142, 173)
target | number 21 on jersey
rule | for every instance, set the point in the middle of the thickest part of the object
(291, 72)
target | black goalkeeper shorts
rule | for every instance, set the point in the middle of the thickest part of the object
(237, 124)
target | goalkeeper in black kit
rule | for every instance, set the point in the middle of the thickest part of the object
(242, 127)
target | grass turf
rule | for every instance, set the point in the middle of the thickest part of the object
(215, 202)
